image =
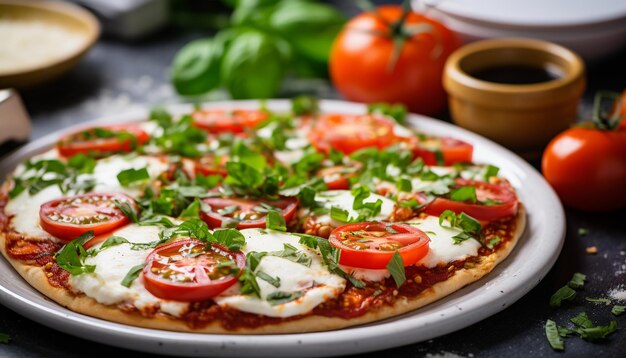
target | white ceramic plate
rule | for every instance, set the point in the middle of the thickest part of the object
(533, 257)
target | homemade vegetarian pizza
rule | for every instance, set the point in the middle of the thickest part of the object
(252, 221)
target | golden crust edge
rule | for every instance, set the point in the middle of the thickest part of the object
(36, 277)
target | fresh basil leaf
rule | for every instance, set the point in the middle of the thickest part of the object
(207, 182)
(192, 211)
(196, 67)
(404, 184)
(161, 116)
(231, 238)
(275, 221)
(129, 176)
(464, 194)
(564, 293)
(411, 203)
(113, 241)
(308, 240)
(590, 332)
(249, 51)
(468, 223)
(395, 266)
(82, 163)
(279, 297)
(132, 275)
(439, 157)
(153, 220)
(71, 257)
(552, 333)
(330, 256)
(274, 281)
(578, 281)
(244, 175)
(461, 237)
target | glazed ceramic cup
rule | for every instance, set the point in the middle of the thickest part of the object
(522, 117)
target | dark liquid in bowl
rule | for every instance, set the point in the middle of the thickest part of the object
(515, 74)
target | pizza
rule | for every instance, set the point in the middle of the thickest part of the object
(252, 221)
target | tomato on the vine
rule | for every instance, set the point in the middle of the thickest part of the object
(586, 165)
(393, 55)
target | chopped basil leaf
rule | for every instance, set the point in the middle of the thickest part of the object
(411, 203)
(578, 281)
(468, 223)
(330, 255)
(129, 176)
(192, 211)
(231, 238)
(308, 240)
(302, 105)
(564, 293)
(581, 320)
(132, 274)
(71, 257)
(196, 228)
(275, 221)
(447, 216)
(247, 279)
(113, 241)
(552, 333)
(491, 171)
(243, 175)
(4, 338)
(439, 157)
(279, 297)
(618, 310)
(396, 268)
(396, 111)
(461, 237)
(493, 242)
(127, 209)
(606, 301)
(464, 194)
(404, 184)
(564, 332)
(339, 214)
(274, 281)
(161, 116)
(228, 210)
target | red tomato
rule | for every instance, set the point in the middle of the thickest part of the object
(348, 133)
(504, 202)
(452, 150)
(211, 165)
(102, 140)
(190, 270)
(235, 121)
(67, 218)
(370, 245)
(587, 168)
(364, 66)
(337, 177)
(247, 213)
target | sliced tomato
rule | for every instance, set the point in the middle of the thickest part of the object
(494, 201)
(234, 121)
(67, 218)
(211, 165)
(103, 140)
(442, 151)
(245, 213)
(337, 177)
(348, 133)
(190, 270)
(371, 245)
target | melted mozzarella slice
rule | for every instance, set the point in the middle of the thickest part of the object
(112, 265)
(317, 283)
(24, 208)
(107, 169)
(343, 199)
(442, 247)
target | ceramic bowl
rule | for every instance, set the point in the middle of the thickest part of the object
(60, 14)
(522, 117)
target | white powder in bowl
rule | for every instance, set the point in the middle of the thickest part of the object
(26, 44)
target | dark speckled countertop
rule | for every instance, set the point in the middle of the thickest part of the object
(115, 76)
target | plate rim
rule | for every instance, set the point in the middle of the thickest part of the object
(400, 330)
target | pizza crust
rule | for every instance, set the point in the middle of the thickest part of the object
(36, 277)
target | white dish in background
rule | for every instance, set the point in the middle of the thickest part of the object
(594, 29)
(529, 262)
